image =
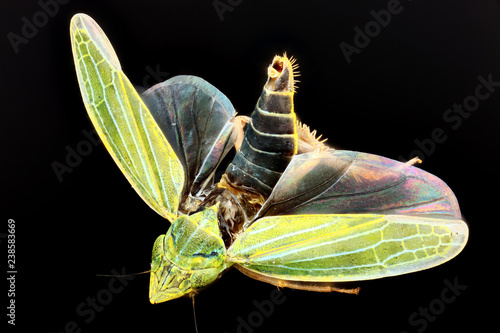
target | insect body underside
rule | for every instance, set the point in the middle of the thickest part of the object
(270, 139)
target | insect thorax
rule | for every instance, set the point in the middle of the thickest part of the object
(238, 205)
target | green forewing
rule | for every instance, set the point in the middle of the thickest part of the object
(123, 122)
(346, 247)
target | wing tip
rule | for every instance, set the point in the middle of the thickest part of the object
(460, 235)
(82, 21)
(459, 232)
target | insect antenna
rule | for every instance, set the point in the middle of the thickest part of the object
(124, 275)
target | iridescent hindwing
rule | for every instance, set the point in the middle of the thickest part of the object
(347, 182)
(199, 122)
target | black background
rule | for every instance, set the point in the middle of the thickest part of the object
(394, 92)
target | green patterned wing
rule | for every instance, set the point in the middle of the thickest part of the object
(344, 247)
(123, 121)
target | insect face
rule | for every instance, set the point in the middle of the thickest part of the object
(190, 256)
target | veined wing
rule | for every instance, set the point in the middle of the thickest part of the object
(199, 123)
(347, 182)
(339, 216)
(123, 121)
(344, 247)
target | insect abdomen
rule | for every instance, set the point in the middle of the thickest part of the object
(269, 144)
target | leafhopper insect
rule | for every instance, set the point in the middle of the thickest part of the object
(289, 210)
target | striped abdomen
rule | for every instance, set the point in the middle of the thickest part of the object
(270, 138)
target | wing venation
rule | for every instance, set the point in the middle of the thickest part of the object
(346, 247)
(123, 121)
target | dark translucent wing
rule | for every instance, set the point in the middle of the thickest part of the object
(195, 117)
(347, 182)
